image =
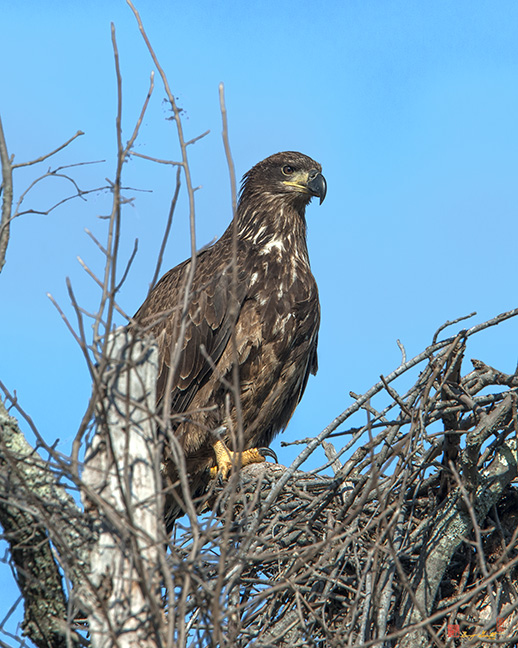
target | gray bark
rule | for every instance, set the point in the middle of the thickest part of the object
(36, 510)
(452, 525)
(121, 490)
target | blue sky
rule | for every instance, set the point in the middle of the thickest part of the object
(411, 108)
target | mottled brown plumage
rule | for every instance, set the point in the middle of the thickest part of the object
(274, 311)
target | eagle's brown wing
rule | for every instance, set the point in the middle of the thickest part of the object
(210, 318)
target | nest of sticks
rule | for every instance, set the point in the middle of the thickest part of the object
(407, 536)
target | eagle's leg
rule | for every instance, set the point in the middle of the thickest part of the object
(225, 458)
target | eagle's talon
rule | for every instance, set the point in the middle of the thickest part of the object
(268, 452)
(226, 459)
(219, 432)
(219, 474)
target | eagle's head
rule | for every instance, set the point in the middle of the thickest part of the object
(290, 176)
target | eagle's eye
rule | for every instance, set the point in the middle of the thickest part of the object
(287, 169)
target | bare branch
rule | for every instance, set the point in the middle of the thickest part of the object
(45, 157)
(167, 231)
(448, 323)
(7, 197)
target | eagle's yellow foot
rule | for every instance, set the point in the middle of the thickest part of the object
(225, 458)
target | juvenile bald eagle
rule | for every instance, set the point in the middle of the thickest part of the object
(273, 310)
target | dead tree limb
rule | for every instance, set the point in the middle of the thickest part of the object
(35, 510)
(121, 491)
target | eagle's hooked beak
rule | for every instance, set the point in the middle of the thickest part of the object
(312, 183)
(317, 184)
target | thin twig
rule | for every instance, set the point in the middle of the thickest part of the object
(167, 231)
(47, 155)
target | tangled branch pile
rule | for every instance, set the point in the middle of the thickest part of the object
(413, 537)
